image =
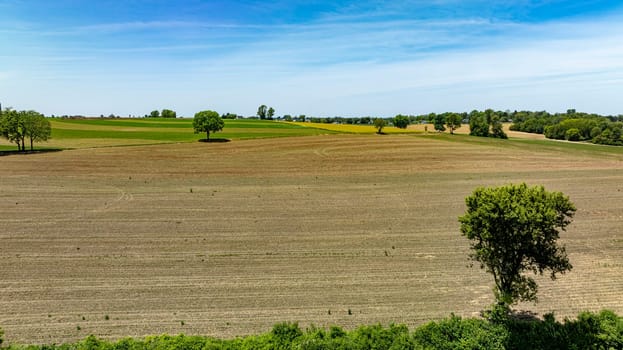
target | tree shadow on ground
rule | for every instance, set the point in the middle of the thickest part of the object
(525, 315)
(36, 151)
(215, 140)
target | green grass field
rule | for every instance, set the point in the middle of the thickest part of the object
(171, 130)
(104, 132)
(96, 132)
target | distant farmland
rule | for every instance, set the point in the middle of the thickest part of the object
(102, 132)
(227, 239)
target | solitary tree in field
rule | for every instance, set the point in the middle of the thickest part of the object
(379, 124)
(514, 229)
(206, 121)
(453, 121)
(154, 114)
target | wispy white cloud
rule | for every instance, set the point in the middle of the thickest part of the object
(538, 62)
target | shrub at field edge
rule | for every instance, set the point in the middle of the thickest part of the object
(603, 330)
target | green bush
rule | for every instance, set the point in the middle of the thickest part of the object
(503, 330)
(456, 333)
(284, 334)
(573, 134)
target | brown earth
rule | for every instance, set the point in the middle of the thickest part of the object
(232, 238)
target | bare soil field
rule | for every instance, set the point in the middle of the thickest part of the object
(229, 239)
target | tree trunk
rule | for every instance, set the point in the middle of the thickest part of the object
(207, 135)
(31, 143)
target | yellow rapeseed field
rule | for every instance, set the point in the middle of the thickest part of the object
(356, 129)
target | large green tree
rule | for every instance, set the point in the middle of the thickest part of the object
(486, 124)
(262, 111)
(12, 127)
(168, 113)
(514, 229)
(439, 120)
(453, 121)
(270, 113)
(401, 121)
(36, 127)
(379, 124)
(478, 125)
(208, 121)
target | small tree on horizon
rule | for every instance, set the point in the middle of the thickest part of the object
(262, 111)
(206, 121)
(379, 124)
(270, 113)
(168, 113)
(514, 229)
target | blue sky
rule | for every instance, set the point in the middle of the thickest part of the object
(320, 58)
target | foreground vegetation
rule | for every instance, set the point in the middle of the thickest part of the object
(603, 330)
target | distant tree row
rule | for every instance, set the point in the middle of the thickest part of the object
(264, 112)
(19, 126)
(166, 113)
(572, 126)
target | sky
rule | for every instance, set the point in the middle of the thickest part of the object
(318, 58)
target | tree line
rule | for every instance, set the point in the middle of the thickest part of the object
(21, 126)
(572, 126)
(166, 113)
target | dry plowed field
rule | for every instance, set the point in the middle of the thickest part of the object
(228, 239)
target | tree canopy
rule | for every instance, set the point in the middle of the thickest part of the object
(514, 229)
(168, 113)
(379, 124)
(270, 113)
(439, 120)
(36, 127)
(453, 121)
(17, 126)
(401, 121)
(208, 121)
(262, 111)
(486, 124)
